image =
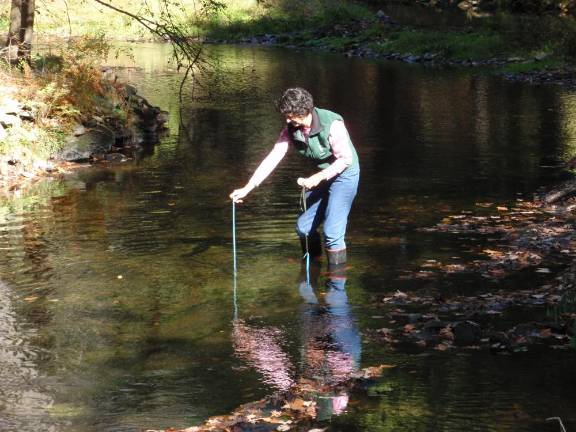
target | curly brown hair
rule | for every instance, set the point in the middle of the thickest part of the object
(295, 101)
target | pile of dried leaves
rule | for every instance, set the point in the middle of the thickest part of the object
(524, 236)
(477, 322)
(528, 235)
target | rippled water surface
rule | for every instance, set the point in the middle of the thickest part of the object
(118, 306)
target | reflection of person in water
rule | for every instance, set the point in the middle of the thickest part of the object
(331, 345)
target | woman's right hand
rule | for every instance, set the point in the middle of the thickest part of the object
(239, 194)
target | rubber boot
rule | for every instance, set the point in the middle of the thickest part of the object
(314, 246)
(336, 259)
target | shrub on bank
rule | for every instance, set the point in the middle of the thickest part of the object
(238, 20)
(538, 7)
(343, 27)
(42, 102)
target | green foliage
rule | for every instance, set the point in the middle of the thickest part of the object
(48, 63)
(344, 25)
(457, 45)
(60, 89)
(278, 17)
(69, 83)
(341, 12)
(28, 144)
(4, 19)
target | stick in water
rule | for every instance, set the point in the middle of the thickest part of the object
(300, 182)
(234, 236)
(559, 420)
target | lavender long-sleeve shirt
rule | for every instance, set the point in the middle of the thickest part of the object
(338, 139)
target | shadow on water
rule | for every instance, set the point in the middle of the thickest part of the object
(117, 299)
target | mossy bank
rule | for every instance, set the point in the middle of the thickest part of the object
(530, 47)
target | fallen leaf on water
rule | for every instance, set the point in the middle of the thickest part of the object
(375, 371)
(493, 253)
(296, 405)
(408, 328)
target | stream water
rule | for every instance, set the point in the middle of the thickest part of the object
(118, 306)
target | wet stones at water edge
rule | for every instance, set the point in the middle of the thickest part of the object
(442, 335)
(12, 114)
(483, 321)
(108, 137)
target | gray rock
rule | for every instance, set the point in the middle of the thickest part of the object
(115, 157)
(94, 141)
(382, 17)
(9, 120)
(412, 59)
(467, 333)
(433, 328)
(79, 130)
(130, 90)
(26, 115)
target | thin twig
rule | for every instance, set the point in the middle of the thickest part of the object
(559, 420)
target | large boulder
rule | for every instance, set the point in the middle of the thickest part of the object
(97, 140)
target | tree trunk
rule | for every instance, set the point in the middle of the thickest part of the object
(13, 40)
(27, 31)
(19, 41)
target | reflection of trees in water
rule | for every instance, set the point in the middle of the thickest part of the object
(23, 400)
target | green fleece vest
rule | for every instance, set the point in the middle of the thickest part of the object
(317, 146)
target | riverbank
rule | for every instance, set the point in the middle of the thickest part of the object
(65, 111)
(533, 49)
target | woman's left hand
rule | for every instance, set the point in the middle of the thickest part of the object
(312, 181)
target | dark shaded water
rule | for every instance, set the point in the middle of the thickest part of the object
(117, 296)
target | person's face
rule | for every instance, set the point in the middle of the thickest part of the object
(298, 121)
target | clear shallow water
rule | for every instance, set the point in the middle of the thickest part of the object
(117, 294)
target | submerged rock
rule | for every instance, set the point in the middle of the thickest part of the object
(467, 333)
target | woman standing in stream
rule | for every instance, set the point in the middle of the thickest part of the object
(320, 136)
